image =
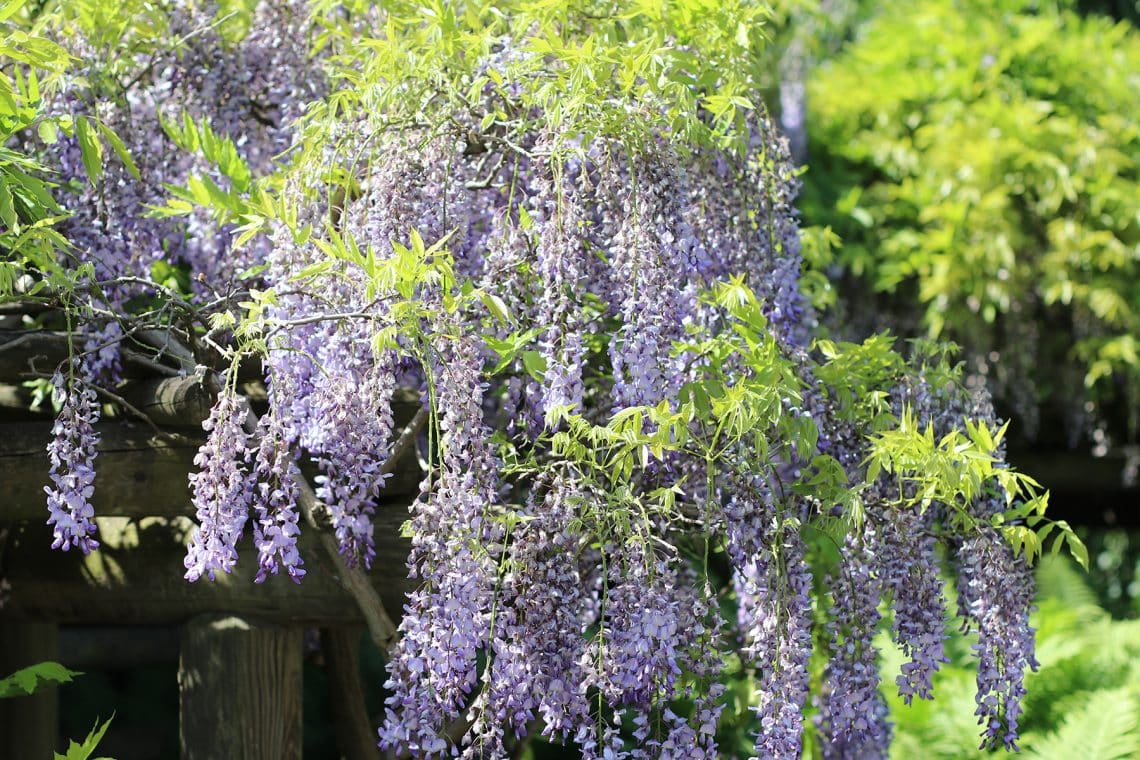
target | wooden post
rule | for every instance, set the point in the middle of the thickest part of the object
(355, 735)
(29, 726)
(240, 690)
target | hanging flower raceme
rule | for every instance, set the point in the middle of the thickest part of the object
(772, 584)
(72, 456)
(909, 557)
(995, 596)
(73, 448)
(852, 714)
(352, 448)
(221, 490)
(563, 262)
(447, 620)
(775, 609)
(538, 636)
(653, 251)
(275, 502)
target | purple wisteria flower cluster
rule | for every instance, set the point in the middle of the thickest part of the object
(447, 620)
(72, 456)
(909, 557)
(564, 268)
(109, 225)
(222, 491)
(995, 596)
(852, 713)
(773, 614)
(538, 664)
(574, 575)
(274, 499)
(652, 243)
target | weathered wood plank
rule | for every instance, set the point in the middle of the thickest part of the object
(21, 349)
(137, 474)
(136, 577)
(239, 683)
(172, 401)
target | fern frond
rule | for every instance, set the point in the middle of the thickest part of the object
(1105, 728)
(1059, 578)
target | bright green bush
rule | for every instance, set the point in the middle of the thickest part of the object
(981, 159)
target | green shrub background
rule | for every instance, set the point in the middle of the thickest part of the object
(979, 161)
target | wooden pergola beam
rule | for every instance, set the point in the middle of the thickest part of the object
(137, 474)
(144, 355)
(136, 578)
(19, 348)
(182, 401)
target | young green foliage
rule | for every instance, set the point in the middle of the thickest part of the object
(991, 180)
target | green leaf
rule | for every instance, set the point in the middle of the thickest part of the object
(313, 270)
(8, 9)
(535, 364)
(7, 210)
(497, 307)
(1077, 548)
(254, 271)
(30, 679)
(90, 148)
(120, 149)
(48, 131)
(76, 751)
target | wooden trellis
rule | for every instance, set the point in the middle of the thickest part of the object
(240, 663)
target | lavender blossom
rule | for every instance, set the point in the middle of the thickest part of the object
(535, 668)
(221, 491)
(641, 646)
(275, 525)
(778, 638)
(72, 456)
(563, 263)
(773, 584)
(655, 628)
(447, 620)
(741, 209)
(995, 594)
(355, 424)
(909, 570)
(653, 250)
(853, 716)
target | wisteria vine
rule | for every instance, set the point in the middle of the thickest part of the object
(638, 465)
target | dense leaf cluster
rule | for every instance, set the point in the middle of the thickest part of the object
(991, 176)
